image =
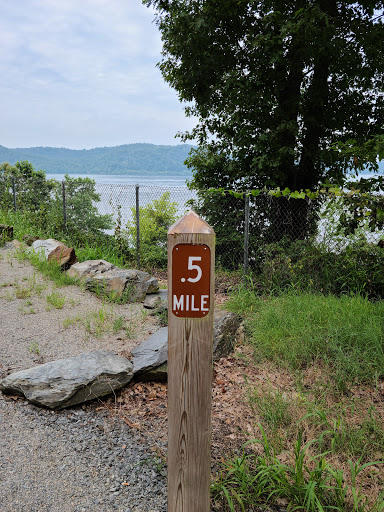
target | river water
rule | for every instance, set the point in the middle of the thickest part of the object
(121, 190)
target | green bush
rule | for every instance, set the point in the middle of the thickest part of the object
(41, 200)
(154, 220)
(302, 266)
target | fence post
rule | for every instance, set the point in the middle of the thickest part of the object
(191, 269)
(246, 237)
(14, 192)
(137, 228)
(64, 206)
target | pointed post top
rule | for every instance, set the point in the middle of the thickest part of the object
(190, 223)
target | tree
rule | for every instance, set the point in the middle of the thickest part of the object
(83, 217)
(32, 189)
(274, 84)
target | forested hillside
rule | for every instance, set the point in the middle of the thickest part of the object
(105, 160)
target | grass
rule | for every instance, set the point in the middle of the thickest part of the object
(50, 269)
(315, 402)
(346, 333)
(99, 322)
(97, 252)
(56, 300)
(302, 483)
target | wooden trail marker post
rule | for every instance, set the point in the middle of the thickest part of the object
(191, 264)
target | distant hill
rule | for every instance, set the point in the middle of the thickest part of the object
(107, 160)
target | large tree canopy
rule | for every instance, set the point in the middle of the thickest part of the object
(274, 84)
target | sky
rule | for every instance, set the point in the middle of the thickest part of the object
(82, 74)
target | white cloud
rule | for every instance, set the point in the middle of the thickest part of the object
(82, 74)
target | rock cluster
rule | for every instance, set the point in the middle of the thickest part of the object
(67, 382)
(102, 276)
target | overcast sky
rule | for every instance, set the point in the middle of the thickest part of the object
(82, 74)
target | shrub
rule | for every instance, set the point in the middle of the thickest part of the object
(154, 219)
(302, 266)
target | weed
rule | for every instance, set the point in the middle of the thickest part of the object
(23, 292)
(306, 483)
(98, 322)
(56, 300)
(34, 348)
(273, 407)
(26, 311)
(117, 324)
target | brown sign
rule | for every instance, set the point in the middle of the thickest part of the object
(191, 277)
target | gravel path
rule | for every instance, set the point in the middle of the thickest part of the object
(80, 459)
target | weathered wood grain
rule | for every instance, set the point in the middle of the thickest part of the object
(189, 386)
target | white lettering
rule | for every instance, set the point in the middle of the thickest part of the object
(193, 304)
(178, 304)
(204, 299)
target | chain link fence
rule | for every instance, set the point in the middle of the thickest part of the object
(252, 232)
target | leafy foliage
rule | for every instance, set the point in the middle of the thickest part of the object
(82, 214)
(42, 200)
(274, 85)
(155, 219)
(303, 266)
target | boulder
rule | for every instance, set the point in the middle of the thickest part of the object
(153, 285)
(150, 357)
(68, 382)
(89, 268)
(225, 327)
(6, 232)
(15, 245)
(132, 284)
(151, 353)
(63, 255)
(157, 302)
(53, 250)
(45, 247)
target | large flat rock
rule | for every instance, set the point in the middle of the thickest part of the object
(68, 382)
(150, 357)
(151, 353)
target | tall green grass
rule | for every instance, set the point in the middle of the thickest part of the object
(304, 483)
(346, 333)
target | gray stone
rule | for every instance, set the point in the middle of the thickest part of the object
(153, 285)
(158, 374)
(156, 300)
(150, 357)
(133, 284)
(150, 354)
(68, 382)
(89, 268)
(45, 247)
(225, 327)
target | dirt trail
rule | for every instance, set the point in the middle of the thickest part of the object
(80, 459)
(40, 322)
